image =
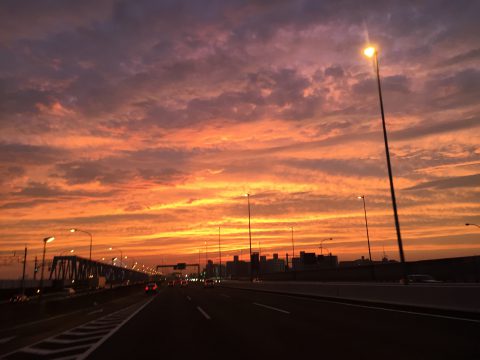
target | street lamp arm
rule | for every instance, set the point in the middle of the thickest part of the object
(469, 224)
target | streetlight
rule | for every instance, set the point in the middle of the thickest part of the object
(219, 254)
(121, 255)
(467, 224)
(250, 236)
(366, 226)
(321, 244)
(65, 251)
(91, 239)
(371, 52)
(45, 241)
(206, 259)
(293, 251)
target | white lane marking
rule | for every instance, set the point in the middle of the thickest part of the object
(225, 295)
(189, 298)
(113, 331)
(73, 341)
(73, 332)
(272, 308)
(386, 309)
(204, 313)
(7, 339)
(38, 351)
(95, 312)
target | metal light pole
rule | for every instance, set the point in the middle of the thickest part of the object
(250, 236)
(366, 226)
(371, 52)
(293, 250)
(219, 254)
(321, 244)
(24, 267)
(206, 258)
(45, 241)
(91, 243)
(111, 280)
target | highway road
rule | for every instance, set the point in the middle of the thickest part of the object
(225, 322)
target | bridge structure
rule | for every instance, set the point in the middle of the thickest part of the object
(78, 269)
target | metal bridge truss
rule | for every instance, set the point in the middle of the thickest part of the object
(80, 269)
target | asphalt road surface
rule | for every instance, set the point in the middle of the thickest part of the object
(223, 323)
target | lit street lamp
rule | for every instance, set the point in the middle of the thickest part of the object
(45, 241)
(91, 239)
(371, 52)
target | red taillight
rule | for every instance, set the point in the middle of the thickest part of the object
(155, 287)
(146, 288)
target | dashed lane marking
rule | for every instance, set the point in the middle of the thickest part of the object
(204, 313)
(272, 308)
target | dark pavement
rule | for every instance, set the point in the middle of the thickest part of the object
(232, 323)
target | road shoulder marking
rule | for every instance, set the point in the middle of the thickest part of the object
(113, 331)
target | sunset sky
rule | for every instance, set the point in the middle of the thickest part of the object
(144, 122)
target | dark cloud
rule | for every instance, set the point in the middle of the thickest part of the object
(168, 176)
(435, 127)
(26, 204)
(452, 91)
(448, 183)
(43, 190)
(30, 154)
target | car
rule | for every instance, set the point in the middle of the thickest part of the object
(208, 283)
(183, 283)
(171, 283)
(151, 288)
(19, 298)
(69, 291)
(422, 278)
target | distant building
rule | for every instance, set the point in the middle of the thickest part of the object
(312, 261)
(237, 268)
(214, 270)
(272, 265)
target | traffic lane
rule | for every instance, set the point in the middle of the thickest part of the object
(422, 337)
(170, 325)
(25, 334)
(174, 325)
(234, 324)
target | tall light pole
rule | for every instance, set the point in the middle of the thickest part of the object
(219, 254)
(206, 256)
(366, 226)
(91, 240)
(293, 250)
(72, 230)
(371, 52)
(45, 241)
(250, 236)
(321, 244)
